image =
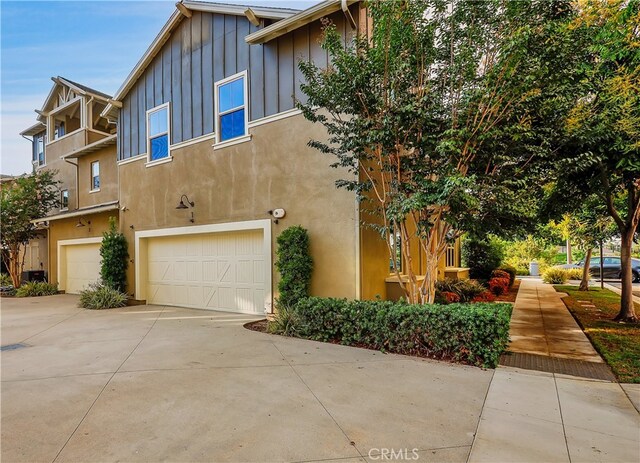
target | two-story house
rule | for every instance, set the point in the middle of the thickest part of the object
(212, 164)
(72, 138)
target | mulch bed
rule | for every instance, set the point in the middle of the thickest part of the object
(512, 294)
(260, 325)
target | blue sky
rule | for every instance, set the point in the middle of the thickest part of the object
(95, 43)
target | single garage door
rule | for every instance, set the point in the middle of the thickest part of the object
(82, 266)
(217, 271)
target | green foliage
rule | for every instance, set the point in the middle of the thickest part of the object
(23, 200)
(37, 288)
(429, 116)
(481, 255)
(115, 258)
(5, 279)
(555, 275)
(101, 296)
(466, 290)
(294, 262)
(285, 321)
(520, 253)
(574, 273)
(472, 333)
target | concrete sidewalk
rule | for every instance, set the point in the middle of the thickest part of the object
(535, 416)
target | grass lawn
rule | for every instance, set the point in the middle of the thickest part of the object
(618, 343)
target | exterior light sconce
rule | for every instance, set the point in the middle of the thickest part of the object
(182, 205)
(82, 224)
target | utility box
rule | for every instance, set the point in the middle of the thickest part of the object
(534, 268)
(34, 275)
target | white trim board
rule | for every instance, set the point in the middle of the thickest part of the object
(141, 256)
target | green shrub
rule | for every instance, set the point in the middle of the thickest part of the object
(284, 322)
(555, 276)
(115, 257)
(37, 288)
(470, 333)
(575, 273)
(465, 289)
(512, 273)
(5, 279)
(520, 253)
(295, 265)
(101, 296)
(482, 256)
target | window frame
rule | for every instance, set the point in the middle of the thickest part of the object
(216, 109)
(39, 141)
(62, 195)
(166, 106)
(92, 177)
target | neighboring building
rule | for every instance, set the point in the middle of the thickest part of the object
(72, 138)
(213, 163)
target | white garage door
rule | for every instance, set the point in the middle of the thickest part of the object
(217, 271)
(82, 266)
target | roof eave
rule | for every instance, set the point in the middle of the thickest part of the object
(238, 10)
(296, 21)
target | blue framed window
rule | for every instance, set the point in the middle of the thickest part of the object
(158, 132)
(95, 175)
(231, 107)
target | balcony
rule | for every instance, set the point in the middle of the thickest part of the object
(71, 142)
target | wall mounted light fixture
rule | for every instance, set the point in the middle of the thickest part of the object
(81, 222)
(182, 205)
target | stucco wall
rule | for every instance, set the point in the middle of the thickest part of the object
(108, 177)
(65, 229)
(276, 169)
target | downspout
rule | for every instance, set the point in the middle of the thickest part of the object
(347, 13)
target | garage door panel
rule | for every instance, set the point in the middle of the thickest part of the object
(220, 271)
(82, 266)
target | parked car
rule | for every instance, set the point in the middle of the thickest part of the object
(612, 267)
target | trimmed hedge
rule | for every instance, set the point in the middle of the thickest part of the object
(471, 333)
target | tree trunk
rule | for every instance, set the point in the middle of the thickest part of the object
(627, 312)
(584, 284)
(569, 256)
(14, 265)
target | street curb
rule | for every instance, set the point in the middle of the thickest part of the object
(636, 299)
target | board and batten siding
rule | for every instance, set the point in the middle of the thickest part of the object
(209, 47)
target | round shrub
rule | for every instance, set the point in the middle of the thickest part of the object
(101, 296)
(482, 256)
(511, 271)
(486, 296)
(555, 276)
(499, 286)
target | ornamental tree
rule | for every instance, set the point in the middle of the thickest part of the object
(21, 201)
(429, 114)
(115, 257)
(601, 152)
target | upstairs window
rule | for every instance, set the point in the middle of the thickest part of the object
(158, 132)
(95, 175)
(231, 107)
(38, 155)
(64, 200)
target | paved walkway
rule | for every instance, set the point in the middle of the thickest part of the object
(534, 416)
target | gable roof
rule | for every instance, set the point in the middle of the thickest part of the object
(173, 22)
(298, 20)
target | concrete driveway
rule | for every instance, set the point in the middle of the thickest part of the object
(153, 383)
